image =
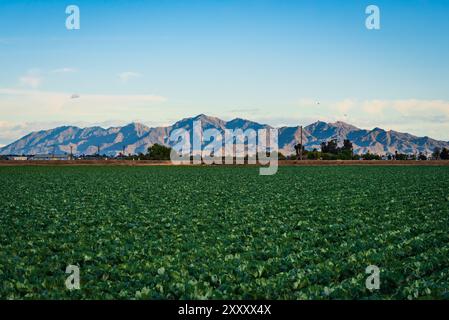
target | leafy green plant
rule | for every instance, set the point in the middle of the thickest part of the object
(224, 232)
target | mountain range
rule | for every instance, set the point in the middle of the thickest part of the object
(136, 137)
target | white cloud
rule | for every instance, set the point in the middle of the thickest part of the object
(128, 75)
(374, 107)
(414, 107)
(379, 108)
(31, 79)
(417, 116)
(309, 102)
(28, 105)
(64, 70)
(345, 105)
(25, 110)
(11, 131)
(34, 77)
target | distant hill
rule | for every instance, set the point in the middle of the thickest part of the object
(137, 138)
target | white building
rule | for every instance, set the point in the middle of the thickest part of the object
(18, 158)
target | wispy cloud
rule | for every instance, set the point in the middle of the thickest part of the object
(19, 104)
(10, 131)
(64, 70)
(128, 75)
(31, 79)
(244, 110)
(34, 78)
(417, 116)
(379, 107)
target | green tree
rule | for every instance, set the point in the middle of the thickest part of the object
(158, 152)
(436, 153)
(329, 156)
(370, 156)
(313, 155)
(347, 145)
(346, 152)
(422, 156)
(401, 156)
(298, 148)
(330, 147)
(444, 155)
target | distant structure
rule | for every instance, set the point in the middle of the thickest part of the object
(17, 158)
(49, 157)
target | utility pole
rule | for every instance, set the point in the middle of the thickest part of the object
(71, 152)
(98, 150)
(300, 150)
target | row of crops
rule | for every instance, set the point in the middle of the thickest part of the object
(224, 232)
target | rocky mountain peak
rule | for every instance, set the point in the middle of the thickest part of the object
(137, 137)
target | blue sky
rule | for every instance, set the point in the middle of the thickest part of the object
(157, 61)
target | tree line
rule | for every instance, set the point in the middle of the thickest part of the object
(331, 151)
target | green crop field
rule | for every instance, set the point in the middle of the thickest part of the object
(224, 232)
